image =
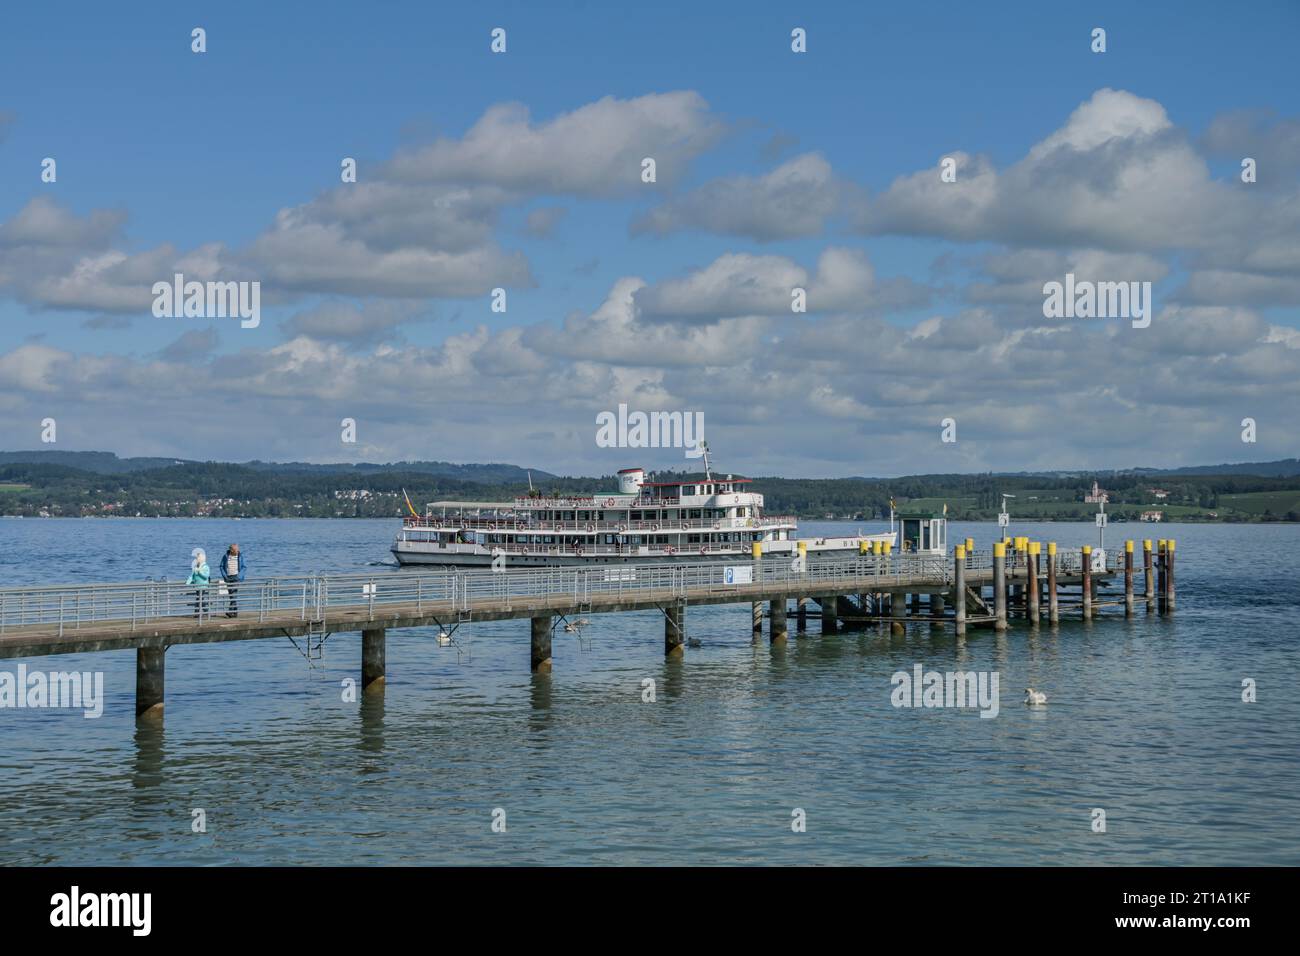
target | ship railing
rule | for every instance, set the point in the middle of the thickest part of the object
(514, 525)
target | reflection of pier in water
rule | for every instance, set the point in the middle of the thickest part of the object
(1017, 579)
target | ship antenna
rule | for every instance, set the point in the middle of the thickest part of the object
(708, 473)
(530, 481)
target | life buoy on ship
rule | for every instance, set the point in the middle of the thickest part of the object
(492, 526)
(609, 502)
(670, 550)
(703, 549)
(717, 525)
(654, 527)
(590, 526)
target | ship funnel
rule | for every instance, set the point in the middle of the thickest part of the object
(630, 480)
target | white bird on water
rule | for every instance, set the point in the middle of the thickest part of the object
(1034, 696)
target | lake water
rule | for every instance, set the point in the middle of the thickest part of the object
(1145, 720)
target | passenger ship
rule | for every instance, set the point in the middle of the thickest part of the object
(644, 522)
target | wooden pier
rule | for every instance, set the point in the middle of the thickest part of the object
(964, 589)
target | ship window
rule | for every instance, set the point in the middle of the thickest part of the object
(692, 539)
(688, 489)
(636, 516)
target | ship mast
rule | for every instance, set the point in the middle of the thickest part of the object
(708, 472)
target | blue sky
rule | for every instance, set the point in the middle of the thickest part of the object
(204, 151)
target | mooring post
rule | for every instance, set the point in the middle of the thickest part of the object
(1150, 589)
(150, 677)
(372, 658)
(830, 613)
(540, 658)
(801, 615)
(959, 587)
(999, 586)
(1128, 578)
(937, 608)
(1162, 576)
(1031, 586)
(674, 630)
(756, 619)
(1086, 561)
(1053, 608)
(777, 627)
(1169, 576)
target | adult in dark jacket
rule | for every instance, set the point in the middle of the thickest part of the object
(231, 570)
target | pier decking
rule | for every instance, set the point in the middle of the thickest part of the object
(151, 616)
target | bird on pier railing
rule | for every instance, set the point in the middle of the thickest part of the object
(1034, 697)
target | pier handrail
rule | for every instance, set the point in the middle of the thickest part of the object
(314, 597)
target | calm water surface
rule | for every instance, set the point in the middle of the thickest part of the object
(1145, 720)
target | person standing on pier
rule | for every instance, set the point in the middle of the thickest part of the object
(232, 572)
(200, 574)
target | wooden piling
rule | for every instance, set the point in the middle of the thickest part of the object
(1149, 592)
(999, 586)
(1031, 586)
(777, 623)
(674, 630)
(937, 611)
(801, 616)
(1162, 594)
(959, 587)
(1053, 606)
(373, 673)
(897, 612)
(150, 679)
(541, 643)
(830, 613)
(1128, 578)
(756, 620)
(1086, 562)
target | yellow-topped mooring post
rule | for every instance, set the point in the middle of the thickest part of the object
(970, 547)
(1128, 578)
(1031, 566)
(756, 608)
(959, 587)
(1149, 592)
(1086, 562)
(1000, 586)
(1053, 607)
(1169, 576)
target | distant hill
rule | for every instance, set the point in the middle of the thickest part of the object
(107, 463)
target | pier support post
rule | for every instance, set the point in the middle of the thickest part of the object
(1031, 586)
(1086, 562)
(1053, 607)
(1150, 590)
(1169, 576)
(937, 608)
(1128, 578)
(830, 613)
(674, 630)
(959, 587)
(777, 626)
(999, 586)
(150, 677)
(372, 659)
(801, 620)
(540, 658)
(897, 612)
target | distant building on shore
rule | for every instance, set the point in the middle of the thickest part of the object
(1098, 496)
(1153, 516)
